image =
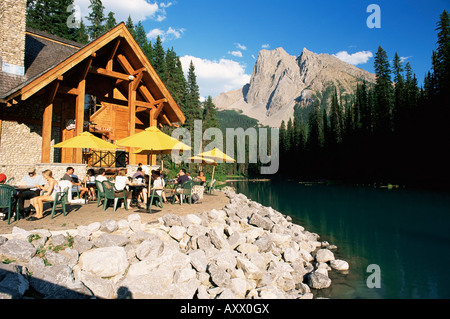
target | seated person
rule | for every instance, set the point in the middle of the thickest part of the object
(50, 190)
(158, 185)
(101, 175)
(120, 183)
(70, 176)
(31, 180)
(5, 210)
(91, 184)
(201, 178)
(139, 174)
(182, 178)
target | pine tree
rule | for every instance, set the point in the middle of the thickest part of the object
(110, 21)
(130, 25)
(399, 107)
(442, 59)
(96, 17)
(314, 127)
(50, 16)
(140, 36)
(81, 35)
(383, 92)
(192, 109)
(289, 135)
(159, 59)
(335, 120)
(209, 114)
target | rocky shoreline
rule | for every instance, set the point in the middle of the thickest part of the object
(244, 250)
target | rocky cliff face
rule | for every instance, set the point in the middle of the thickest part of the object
(279, 81)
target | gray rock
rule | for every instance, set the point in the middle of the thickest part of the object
(324, 255)
(218, 239)
(198, 260)
(58, 282)
(236, 239)
(109, 226)
(151, 248)
(204, 242)
(101, 288)
(264, 243)
(340, 265)
(110, 240)
(104, 262)
(318, 280)
(3, 240)
(13, 284)
(218, 275)
(59, 240)
(177, 232)
(134, 222)
(260, 221)
(171, 220)
(81, 244)
(17, 249)
(251, 271)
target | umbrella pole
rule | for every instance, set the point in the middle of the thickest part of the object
(212, 177)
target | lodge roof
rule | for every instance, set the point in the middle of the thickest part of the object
(49, 58)
(43, 51)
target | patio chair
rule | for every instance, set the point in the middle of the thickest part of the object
(156, 197)
(210, 186)
(100, 192)
(7, 194)
(60, 198)
(108, 190)
(186, 191)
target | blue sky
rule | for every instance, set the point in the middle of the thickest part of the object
(223, 38)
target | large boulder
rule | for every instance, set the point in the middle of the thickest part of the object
(104, 262)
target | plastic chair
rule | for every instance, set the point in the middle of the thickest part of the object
(186, 190)
(108, 190)
(210, 187)
(7, 194)
(100, 192)
(154, 196)
(60, 198)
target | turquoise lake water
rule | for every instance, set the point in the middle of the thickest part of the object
(405, 232)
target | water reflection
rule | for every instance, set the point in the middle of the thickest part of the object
(405, 232)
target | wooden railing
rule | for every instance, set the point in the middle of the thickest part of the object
(106, 158)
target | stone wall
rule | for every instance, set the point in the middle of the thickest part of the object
(12, 31)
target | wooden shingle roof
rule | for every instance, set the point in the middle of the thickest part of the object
(43, 51)
(50, 59)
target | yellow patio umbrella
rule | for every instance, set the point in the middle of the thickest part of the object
(86, 140)
(215, 155)
(152, 141)
(200, 160)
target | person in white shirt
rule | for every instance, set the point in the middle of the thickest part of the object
(31, 180)
(158, 184)
(101, 175)
(121, 181)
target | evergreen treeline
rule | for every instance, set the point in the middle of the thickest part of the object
(389, 132)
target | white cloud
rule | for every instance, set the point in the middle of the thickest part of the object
(139, 10)
(236, 53)
(241, 46)
(170, 34)
(360, 57)
(404, 58)
(215, 77)
(265, 46)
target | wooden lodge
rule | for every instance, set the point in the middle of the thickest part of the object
(107, 87)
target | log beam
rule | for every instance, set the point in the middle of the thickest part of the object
(47, 123)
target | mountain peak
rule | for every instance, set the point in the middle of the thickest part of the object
(280, 81)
